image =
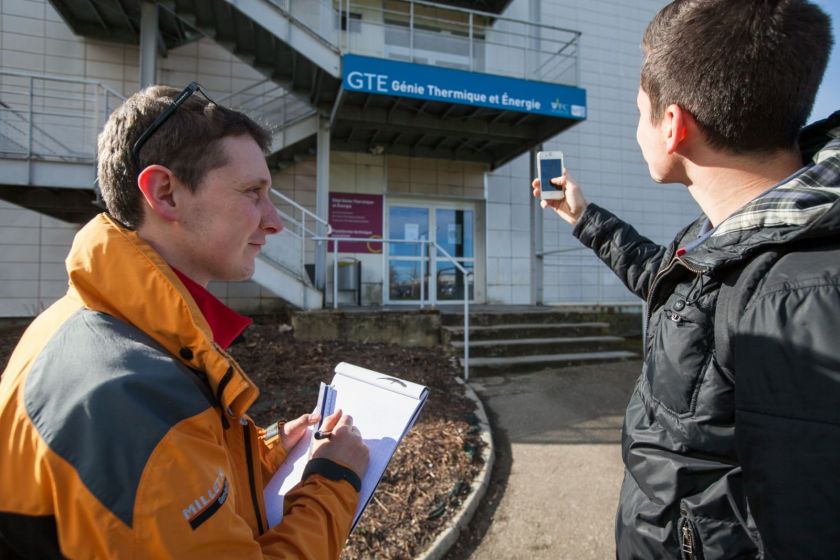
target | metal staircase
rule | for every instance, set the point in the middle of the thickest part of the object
(293, 123)
(281, 265)
(293, 44)
(306, 47)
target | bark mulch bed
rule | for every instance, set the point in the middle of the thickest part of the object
(432, 470)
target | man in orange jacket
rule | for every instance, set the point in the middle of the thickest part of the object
(123, 420)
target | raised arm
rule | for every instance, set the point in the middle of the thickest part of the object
(634, 258)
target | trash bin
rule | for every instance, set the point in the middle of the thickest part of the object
(350, 277)
(348, 274)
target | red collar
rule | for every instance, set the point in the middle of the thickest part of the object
(225, 323)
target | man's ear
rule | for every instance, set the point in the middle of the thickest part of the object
(675, 127)
(157, 184)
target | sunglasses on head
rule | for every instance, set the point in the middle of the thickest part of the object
(158, 122)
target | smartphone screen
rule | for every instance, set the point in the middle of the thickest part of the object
(549, 169)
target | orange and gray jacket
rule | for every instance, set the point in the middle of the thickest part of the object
(124, 431)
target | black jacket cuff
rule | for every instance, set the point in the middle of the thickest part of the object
(332, 471)
(593, 212)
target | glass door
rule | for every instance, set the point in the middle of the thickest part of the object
(454, 234)
(409, 264)
(403, 280)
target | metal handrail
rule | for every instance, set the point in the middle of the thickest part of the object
(300, 13)
(30, 97)
(489, 15)
(300, 224)
(541, 254)
(468, 278)
(565, 251)
(599, 301)
(223, 100)
(304, 211)
(260, 104)
(58, 78)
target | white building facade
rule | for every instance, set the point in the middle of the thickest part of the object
(429, 172)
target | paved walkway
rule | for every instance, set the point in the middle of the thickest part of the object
(557, 435)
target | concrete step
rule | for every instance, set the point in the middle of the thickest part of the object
(521, 364)
(540, 316)
(524, 330)
(532, 346)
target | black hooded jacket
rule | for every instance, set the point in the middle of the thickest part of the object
(740, 461)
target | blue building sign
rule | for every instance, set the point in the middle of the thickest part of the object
(402, 79)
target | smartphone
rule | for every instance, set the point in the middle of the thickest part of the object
(550, 165)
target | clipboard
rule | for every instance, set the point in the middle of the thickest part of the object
(383, 407)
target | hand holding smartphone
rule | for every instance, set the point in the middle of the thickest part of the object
(550, 166)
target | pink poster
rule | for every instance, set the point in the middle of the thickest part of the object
(358, 216)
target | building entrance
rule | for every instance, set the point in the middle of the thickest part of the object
(453, 229)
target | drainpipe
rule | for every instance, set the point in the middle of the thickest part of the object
(537, 247)
(322, 199)
(148, 43)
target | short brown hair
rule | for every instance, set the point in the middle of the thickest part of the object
(187, 143)
(747, 70)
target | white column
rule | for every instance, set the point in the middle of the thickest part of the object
(537, 247)
(322, 197)
(148, 44)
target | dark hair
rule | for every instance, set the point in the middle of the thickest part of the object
(747, 70)
(187, 143)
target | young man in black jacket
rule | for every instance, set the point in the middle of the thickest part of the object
(732, 456)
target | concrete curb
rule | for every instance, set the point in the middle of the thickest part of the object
(450, 533)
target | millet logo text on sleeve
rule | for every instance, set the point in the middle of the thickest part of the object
(204, 506)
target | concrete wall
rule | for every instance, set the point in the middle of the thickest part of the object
(32, 251)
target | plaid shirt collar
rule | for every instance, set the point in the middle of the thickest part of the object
(781, 213)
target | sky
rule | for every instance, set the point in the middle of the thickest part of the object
(828, 97)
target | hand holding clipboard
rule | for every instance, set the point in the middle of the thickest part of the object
(382, 407)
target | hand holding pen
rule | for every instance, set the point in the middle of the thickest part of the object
(340, 441)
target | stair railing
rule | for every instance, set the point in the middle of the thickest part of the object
(269, 104)
(53, 117)
(301, 225)
(600, 270)
(434, 250)
(318, 16)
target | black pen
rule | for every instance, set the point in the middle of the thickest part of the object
(322, 435)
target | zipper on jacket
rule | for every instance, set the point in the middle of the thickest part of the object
(690, 548)
(249, 458)
(677, 259)
(219, 393)
(653, 286)
(687, 546)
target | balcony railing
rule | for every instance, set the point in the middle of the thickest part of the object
(428, 33)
